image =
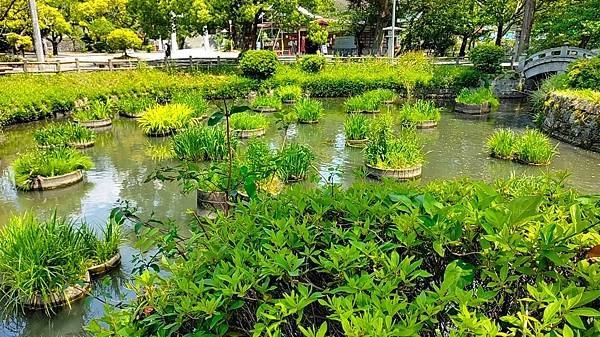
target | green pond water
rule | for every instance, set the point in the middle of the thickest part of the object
(123, 158)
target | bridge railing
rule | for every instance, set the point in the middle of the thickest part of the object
(565, 52)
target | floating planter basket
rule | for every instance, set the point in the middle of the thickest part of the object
(60, 299)
(357, 143)
(289, 101)
(474, 109)
(96, 124)
(264, 109)
(82, 145)
(102, 269)
(212, 201)
(399, 174)
(531, 164)
(249, 133)
(390, 102)
(126, 115)
(160, 134)
(51, 183)
(308, 122)
(427, 125)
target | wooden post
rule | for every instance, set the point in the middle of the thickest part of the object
(218, 61)
(25, 66)
(110, 65)
(191, 61)
(77, 65)
(57, 66)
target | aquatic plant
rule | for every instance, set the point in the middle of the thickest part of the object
(420, 111)
(293, 162)
(133, 106)
(288, 93)
(99, 249)
(501, 143)
(356, 127)
(63, 134)
(308, 110)
(267, 102)
(165, 119)
(201, 142)
(195, 100)
(388, 151)
(97, 110)
(478, 96)
(249, 121)
(362, 104)
(47, 163)
(381, 95)
(534, 147)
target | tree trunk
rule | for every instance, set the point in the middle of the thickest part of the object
(526, 27)
(585, 40)
(463, 46)
(500, 33)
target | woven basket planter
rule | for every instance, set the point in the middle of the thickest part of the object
(289, 101)
(264, 109)
(427, 125)
(357, 143)
(82, 145)
(126, 115)
(96, 124)
(308, 122)
(104, 268)
(160, 134)
(399, 174)
(249, 133)
(60, 299)
(50, 183)
(212, 201)
(474, 109)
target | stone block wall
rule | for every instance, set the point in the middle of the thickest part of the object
(573, 120)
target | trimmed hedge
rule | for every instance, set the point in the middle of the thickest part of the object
(259, 64)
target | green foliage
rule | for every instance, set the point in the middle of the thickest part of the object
(293, 162)
(420, 111)
(366, 102)
(47, 163)
(487, 58)
(356, 127)
(258, 64)
(530, 147)
(478, 96)
(95, 111)
(133, 106)
(194, 100)
(289, 93)
(165, 119)
(123, 39)
(265, 101)
(18, 42)
(312, 63)
(248, 121)
(388, 151)
(501, 144)
(317, 34)
(200, 143)
(585, 74)
(64, 134)
(308, 110)
(538, 98)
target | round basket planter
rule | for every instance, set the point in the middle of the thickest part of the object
(357, 143)
(59, 299)
(82, 145)
(50, 183)
(495, 156)
(365, 112)
(289, 101)
(531, 164)
(249, 133)
(427, 125)
(212, 201)
(104, 268)
(399, 174)
(96, 124)
(264, 109)
(390, 102)
(473, 109)
(308, 122)
(160, 134)
(126, 115)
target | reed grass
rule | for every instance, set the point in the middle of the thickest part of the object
(293, 162)
(248, 121)
(356, 127)
(308, 110)
(267, 102)
(165, 119)
(63, 134)
(478, 97)
(289, 93)
(199, 143)
(96, 111)
(420, 111)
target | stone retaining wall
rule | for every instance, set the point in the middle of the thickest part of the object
(573, 120)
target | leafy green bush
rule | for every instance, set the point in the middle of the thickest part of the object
(312, 63)
(289, 93)
(194, 100)
(420, 111)
(356, 127)
(66, 134)
(122, 39)
(47, 163)
(264, 101)
(585, 74)
(258, 64)
(133, 106)
(200, 143)
(388, 151)
(308, 110)
(96, 111)
(534, 147)
(478, 96)
(501, 144)
(487, 58)
(293, 162)
(248, 121)
(165, 119)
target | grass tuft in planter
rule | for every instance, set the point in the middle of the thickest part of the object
(47, 163)
(164, 120)
(394, 152)
(289, 93)
(267, 103)
(477, 97)
(64, 134)
(501, 144)
(356, 127)
(248, 121)
(199, 143)
(293, 162)
(96, 111)
(363, 103)
(530, 147)
(382, 95)
(308, 110)
(133, 107)
(420, 112)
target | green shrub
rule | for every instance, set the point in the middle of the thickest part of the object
(194, 100)
(533, 147)
(293, 162)
(47, 163)
(478, 97)
(420, 111)
(308, 110)
(67, 134)
(387, 151)
(289, 93)
(201, 142)
(122, 39)
(487, 58)
(585, 74)
(248, 121)
(165, 119)
(501, 144)
(258, 64)
(312, 63)
(356, 127)
(538, 98)
(267, 102)
(133, 106)
(96, 111)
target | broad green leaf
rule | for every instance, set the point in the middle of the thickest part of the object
(575, 321)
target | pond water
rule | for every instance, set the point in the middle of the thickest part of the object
(123, 158)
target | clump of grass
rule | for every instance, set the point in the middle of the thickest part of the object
(66, 134)
(356, 127)
(249, 121)
(501, 144)
(308, 110)
(478, 97)
(419, 112)
(165, 119)
(533, 147)
(133, 107)
(381, 95)
(96, 111)
(48, 163)
(388, 151)
(264, 101)
(200, 143)
(363, 103)
(194, 100)
(293, 162)
(289, 93)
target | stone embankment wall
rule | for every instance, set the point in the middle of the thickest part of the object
(573, 120)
